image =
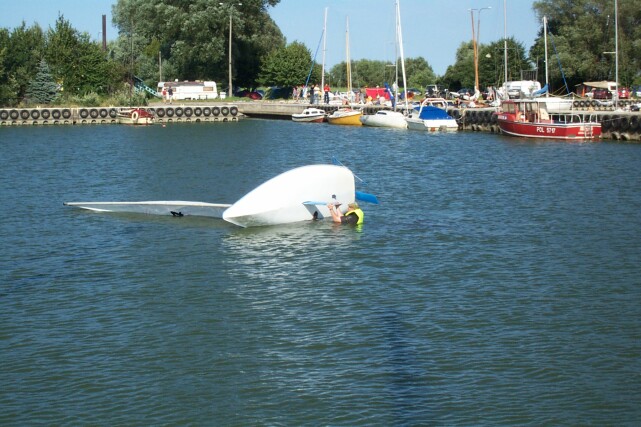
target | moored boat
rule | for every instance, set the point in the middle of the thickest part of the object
(310, 115)
(135, 116)
(557, 104)
(431, 116)
(531, 119)
(385, 118)
(345, 116)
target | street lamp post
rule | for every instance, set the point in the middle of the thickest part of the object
(231, 8)
(475, 42)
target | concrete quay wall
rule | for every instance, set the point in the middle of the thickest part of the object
(109, 115)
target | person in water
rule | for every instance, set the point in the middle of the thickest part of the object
(354, 214)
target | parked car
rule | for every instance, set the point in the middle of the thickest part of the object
(465, 92)
(624, 93)
(599, 93)
(432, 91)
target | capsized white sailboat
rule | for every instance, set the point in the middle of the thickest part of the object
(299, 194)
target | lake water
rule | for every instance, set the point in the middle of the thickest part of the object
(498, 282)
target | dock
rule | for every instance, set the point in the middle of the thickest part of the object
(616, 125)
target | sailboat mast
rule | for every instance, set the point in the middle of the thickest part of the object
(545, 38)
(616, 54)
(400, 43)
(324, 46)
(349, 65)
(505, 38)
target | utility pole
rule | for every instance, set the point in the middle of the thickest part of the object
(231, 10)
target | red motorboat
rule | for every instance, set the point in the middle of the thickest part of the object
(135, 116)
(530, 118)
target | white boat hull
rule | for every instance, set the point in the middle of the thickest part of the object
(383, 118)
(283, 198)
(432, 125)
(557, 105)
(299, 194)
(310, 115)
(156, 207)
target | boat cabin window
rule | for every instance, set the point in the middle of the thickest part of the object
(543, 112)
(509, 108)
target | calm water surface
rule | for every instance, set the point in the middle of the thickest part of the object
(498, 282)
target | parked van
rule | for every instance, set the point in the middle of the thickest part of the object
(189, 90)
(522, 88)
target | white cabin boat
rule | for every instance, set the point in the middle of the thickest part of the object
(310, 115)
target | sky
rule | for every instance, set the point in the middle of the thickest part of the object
(433, 29)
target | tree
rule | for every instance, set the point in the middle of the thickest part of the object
(42, 89)
(77, 63)
(419, 72)
(288, 66)
(192, 37)
(23, 52)
(582, 32)
(491, 70)
(369, 73)
(8, 84)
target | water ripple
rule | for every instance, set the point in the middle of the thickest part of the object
(497, 282)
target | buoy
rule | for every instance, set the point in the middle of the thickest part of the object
(134, 115)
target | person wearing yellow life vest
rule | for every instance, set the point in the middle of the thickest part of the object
(354, 214)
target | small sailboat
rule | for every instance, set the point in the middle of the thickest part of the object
(346, 115)
(299, 194)
(384, 118)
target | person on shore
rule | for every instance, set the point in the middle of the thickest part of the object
(311, 94)
(353, 216)
(326, 90)
(164, 95)
(170, 93)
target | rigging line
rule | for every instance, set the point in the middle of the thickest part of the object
(567, 89)
(314, 59)
(339, 163)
